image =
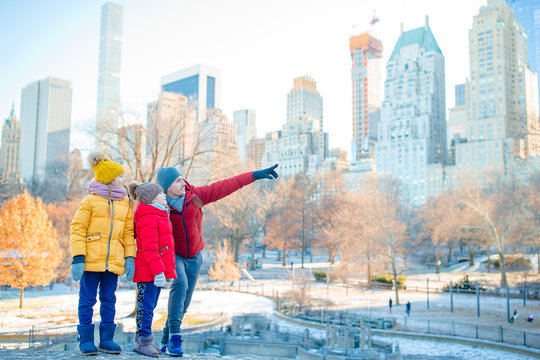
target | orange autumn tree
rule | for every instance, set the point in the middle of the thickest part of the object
(61, 214)
(224, 267)
(29, 249)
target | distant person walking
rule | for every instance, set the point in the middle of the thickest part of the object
(390, 305)
(408, 308)
(514, 316)
(185, 202)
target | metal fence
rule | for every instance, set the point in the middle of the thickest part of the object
(37, 337)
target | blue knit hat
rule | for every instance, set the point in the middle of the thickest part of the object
(166, 176)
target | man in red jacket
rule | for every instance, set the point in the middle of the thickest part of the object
(185, 202)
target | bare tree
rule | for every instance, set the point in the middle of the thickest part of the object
(388, 219)
(498, 207)
(168, 137)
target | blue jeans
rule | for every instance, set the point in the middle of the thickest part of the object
(90, 281)
(147, 298)
(187, 271)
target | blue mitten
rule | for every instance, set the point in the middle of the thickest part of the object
(269, 173)
(77, 267)
(130, 268)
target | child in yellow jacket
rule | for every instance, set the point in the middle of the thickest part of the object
(102, 247)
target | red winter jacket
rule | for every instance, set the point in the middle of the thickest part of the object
(187, 225)
(155, 244)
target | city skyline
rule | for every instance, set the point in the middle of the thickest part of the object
(257, 59)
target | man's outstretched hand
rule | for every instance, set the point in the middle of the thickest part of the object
(269, 173)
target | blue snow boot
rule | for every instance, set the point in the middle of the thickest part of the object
(86, 339)
(106, 343)
(174, 347)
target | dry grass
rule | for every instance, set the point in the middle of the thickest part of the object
(189, 319)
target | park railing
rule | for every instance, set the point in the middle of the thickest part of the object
(37, 337)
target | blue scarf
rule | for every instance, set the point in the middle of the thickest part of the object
(177, 204)
(160, 207)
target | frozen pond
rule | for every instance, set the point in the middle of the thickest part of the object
(239, 303)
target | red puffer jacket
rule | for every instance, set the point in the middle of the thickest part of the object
(155, 244)
(187, 225)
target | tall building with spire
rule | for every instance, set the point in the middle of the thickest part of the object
(366, 56)
(412, 131)
(110, 61)
(10, 171)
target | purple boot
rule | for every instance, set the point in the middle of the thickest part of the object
(144, 345)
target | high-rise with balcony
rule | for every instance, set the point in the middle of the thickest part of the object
(412, 130)
(110, 60)
(527, 12)
(246, 130)
(201, 85)
(45, 124)
(366, 56)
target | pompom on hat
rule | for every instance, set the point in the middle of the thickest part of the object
(105, 170)
(145, 192)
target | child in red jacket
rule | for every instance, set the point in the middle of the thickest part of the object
(155, 261)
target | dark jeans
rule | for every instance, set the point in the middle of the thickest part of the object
(147, 298)
(187, 271)
(90, 281)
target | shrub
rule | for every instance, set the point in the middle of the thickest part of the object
(463, 284)
(514, 263)
(320, 275)
(388, 279)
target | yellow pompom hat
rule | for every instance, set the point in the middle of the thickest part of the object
(105, 170)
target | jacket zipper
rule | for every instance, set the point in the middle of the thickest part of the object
(198, 229)
(185, 230)
(110, 235)
(185, 227)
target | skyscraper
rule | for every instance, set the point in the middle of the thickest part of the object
(10, 171)
(201, 84)
(412, 131)
(304, 100)
(170, 131)
(45, 123)
(366, 56)
(110, 60)
(245, 130)
(494, 130)
(301, 145)
(527, 12)
(503, 90)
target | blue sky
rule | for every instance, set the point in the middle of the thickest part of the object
(260, 46)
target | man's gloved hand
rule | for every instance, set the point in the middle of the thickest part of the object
(269, 173)
(77, 267)
(130, 268)
(160, 280)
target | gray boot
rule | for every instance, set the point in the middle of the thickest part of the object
(137, 341)
(144, 345)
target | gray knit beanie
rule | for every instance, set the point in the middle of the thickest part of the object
(144, 193)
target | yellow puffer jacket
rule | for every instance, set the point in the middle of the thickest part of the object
(104, 243)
